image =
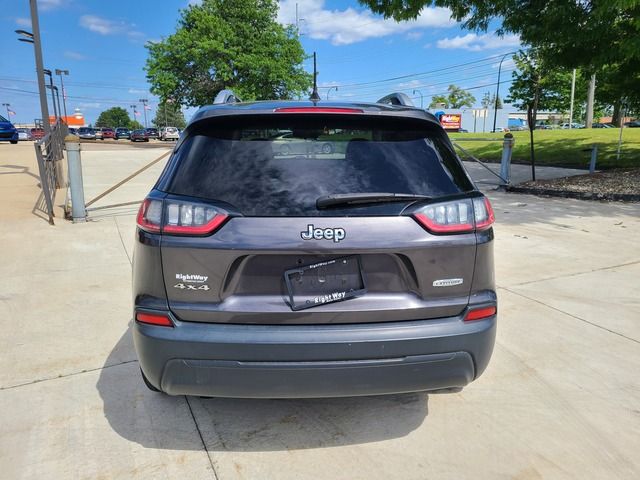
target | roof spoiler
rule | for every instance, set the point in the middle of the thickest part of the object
(226, 96)
(397, 98)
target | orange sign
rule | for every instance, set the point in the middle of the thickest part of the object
(451, 121)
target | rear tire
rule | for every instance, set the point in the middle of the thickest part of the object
(13, 142)
(148, 384)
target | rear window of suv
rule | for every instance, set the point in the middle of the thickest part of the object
(282, 164)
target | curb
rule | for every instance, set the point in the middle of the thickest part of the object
(615, 197)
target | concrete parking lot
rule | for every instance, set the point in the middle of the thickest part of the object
(560, 399)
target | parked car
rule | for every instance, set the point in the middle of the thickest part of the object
(73, 131)
(268, 276)
(565, 126)
(98, 133)
(169, 133)
(8, 132)
(633, 124)
(37, 133)
(108, 133)
(152, 133)
(288, 144)
(600, 125)
(122, 132)
(24, 134)
(87, 133)
(139, 136)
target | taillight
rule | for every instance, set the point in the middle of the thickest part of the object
(150, 215)
(479, 313)
(158, 319)
(484, 216)
(456, 216)
(179, 218)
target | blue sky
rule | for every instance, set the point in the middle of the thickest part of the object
(103, 48)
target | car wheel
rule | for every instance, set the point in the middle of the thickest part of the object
(13, 142)
(327, 148)
(148, 384)
(285, 150)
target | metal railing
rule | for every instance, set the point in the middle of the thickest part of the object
(49, 152)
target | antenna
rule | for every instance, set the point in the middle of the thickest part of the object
(315, 96)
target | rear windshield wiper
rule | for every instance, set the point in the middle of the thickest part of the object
(327, 201)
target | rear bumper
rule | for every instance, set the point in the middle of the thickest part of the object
(270, 361)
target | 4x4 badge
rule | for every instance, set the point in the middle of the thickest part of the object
(312, 233)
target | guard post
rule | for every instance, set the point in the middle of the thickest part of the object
(78, 208)
(505, 162)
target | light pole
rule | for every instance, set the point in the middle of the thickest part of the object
(168, 100)
(133, 107)
(37, 50)
(7, 105)
(419, 93)
(64, 94)
(46, 71)
(495, 111)
(331, 88)
(144, 102)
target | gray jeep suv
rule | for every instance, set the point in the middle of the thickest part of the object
(361, 268)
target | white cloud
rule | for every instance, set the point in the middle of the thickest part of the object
(415, 35)
(136, 91)
(104, 26)
(343, 27)
(476, 43)
(74, 55)
(50, 4)
(23, 22)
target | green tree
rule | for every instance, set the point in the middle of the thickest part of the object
(594, 35)
(489, 101)
(135, 125)
(456, 98)
(536, 87)
(236, 44)
(113, 117)
(169, 113)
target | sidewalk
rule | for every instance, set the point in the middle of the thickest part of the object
(559, 399)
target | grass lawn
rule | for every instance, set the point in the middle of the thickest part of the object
(561, 148)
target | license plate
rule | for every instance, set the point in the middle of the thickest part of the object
(325, 282)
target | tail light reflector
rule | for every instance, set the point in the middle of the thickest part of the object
(479, 313)
(456, 216)
(154, 319)
(179, 218)
(318, 110)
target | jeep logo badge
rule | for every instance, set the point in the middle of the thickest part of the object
(312, 233)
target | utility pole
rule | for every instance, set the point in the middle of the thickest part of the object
(7, 105)
(573, 93)
(315, 96)
(133, 108)
(64, 93)
(144, 102)
(590, 100)
(34, 37)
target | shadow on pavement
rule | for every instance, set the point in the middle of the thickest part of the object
(160, 421)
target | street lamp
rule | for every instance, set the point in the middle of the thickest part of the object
(133, 107)
(331, 88)
(34, 38)
(144, 102)
(7, 105)
(420, 93)
(168, 100)
(495, 110)
(47, 72)
(64, 94)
